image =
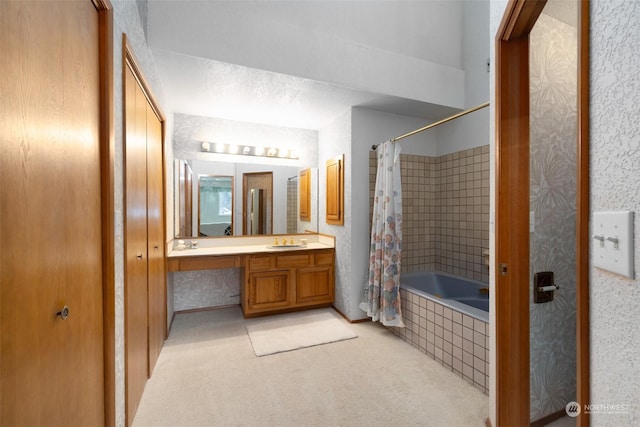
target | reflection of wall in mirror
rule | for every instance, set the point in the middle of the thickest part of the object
(202, 168)
(280, 175)
(310, 224)
(215, 205)
(280, 178)
(189, 132)
(257, 208)
(183, 181)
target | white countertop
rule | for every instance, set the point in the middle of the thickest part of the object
(250, 245)
(244, 249)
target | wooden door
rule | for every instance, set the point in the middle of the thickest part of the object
(263, 223)
(155, 235)
(304, 189)
(136, 262)
(52, 370)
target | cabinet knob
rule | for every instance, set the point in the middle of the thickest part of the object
(64, 313)
(139, 256)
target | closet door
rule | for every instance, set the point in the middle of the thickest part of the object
(136, 312)
(155, 235)
(51, 366)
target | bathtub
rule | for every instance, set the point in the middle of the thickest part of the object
(446, 317)
(463, 295)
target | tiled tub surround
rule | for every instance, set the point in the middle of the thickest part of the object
(445, 202)
(292, 206)
(457, 341)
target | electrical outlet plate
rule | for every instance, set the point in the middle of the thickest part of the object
(610, 226)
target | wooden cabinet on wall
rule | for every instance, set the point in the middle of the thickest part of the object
(145, 276)
(287, 282)
(335, 191)
(304, 192)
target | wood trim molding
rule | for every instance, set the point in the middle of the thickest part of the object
(107, 149)
(131, 60)
(582, 217)
(512, 204)
(519, 18)
(549, 418)
(512, 232)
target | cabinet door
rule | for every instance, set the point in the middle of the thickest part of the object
(304, 190)
(314, 285)
(269, 290)
(335, 191)
(136, 296)
(155, 230)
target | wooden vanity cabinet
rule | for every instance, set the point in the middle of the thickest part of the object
(287, 282)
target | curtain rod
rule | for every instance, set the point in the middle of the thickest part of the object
(448, 119)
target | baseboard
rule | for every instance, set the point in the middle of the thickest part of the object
(195, 310)
(366, 319)
(549, 418)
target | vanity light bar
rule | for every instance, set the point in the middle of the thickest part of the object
(248, 150)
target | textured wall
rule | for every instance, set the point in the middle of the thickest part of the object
(614, 175)
(553, 83)
(334, 140)
(206, 288)
(614, 169)
(190, 131)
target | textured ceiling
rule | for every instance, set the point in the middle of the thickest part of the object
(207, 87)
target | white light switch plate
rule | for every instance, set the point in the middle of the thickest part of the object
(532, 222)
(608, 226)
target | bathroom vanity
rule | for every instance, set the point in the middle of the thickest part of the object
(287, 281)
(274, 279)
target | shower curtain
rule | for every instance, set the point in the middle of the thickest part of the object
(381, 299)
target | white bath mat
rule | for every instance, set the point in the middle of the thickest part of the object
(292, 331)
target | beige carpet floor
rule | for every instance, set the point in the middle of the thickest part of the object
(208, 375)
(293, 331)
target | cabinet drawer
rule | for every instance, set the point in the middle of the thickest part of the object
(324, 258)
(206, 263)
(259, 263)
(287, 261)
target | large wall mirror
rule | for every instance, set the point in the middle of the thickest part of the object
(217, 199)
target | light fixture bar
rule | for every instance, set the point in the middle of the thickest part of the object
(248, 150)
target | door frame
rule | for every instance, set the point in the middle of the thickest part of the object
(245, 177)
(107, 150)
(512, 212)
